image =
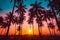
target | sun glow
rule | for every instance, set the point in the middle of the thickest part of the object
(30, 31)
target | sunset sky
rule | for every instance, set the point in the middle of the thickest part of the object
(7, 6)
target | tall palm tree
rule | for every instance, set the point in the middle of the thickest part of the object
(51, 25)
(21, 12)
(30, 21)
(36, 12)
(40, 24)
(54, 4)
(20, 22)
(15, 22)
(4, 25)
(9, 19)
(48, 15)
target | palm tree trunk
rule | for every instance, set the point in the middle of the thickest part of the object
(20, 30)
(49, 31)
(48, 28)
(33, 29)
(7, 31)
(39, 30)
(15, 29)
(7, 34)
(54, 32)
(31, 37)
(33, 32)
(15, 32)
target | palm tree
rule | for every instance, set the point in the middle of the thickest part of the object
(55, 7)
(9, 19)
(15, 22)
(51, 25)
(48, 15)
(30, 21)
(40, 24)
(21, 17)
(4, 25)
(36, 12)
(15, 2)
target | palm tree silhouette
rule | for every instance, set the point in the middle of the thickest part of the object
(4, 24)
(35, 12)
(16, 21)
(21, 12)
(9, 19)
(54, 4)
(30, 21)
(51, 25)
(48, 15)
(15, 2)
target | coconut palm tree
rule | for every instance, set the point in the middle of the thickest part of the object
(4, 25)
(36, 11)
(51, 16)
(30, 21)
(51, 25)
(40, 24)
(48, 15)
(21, 12)
(55, 7)
(15, 2)
(9, 19)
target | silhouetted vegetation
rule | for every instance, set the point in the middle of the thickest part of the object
(37, 13)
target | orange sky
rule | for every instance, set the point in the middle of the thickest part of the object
(26, 27)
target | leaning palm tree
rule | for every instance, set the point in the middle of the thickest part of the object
(48, 15)
(9, 19)
(36, 11)
(4, 25)
(51, 17)
(55, 7)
